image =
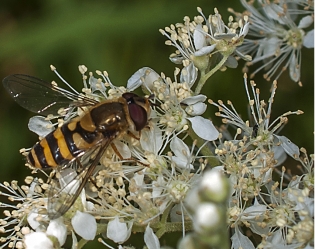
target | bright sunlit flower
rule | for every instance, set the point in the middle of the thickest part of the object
(178, 172)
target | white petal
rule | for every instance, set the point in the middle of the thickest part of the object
(290, 148)
(245, 29)
(199, 37)
(204, 128)
(84, 225)
(294, 69)
(135, 80)
(123, 149)
(57, 229)
(270, 46)
(253, 211)
(94, 84)
(176, 214)
(158, 187)
(179, 148)
(279, 154)
(32, 220)
(177, 59)
(231, 62)
(138, 179)
(194, 99)
(89, 206)
(144, 76)
(150, 239)
(182, 162)
(277, 239)
(40, 126)
(189, 74)
(239, 240)
(196, 109)
(151, 139)
(150, 77)
(74, 241)
(82, 196)
(308, 41)
(305, 22)
(38, 240)
(118, 231)
(205, 50)
(273, 10)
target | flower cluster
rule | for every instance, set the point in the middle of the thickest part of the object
(203, 41)
(278, 32)
(139, 191)
(259, 203)
(179, 173)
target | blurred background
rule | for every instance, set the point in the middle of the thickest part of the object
(120, 37)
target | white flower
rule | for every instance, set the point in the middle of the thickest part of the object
(177, 104)
(57, 229)
(275, 37)
(55, 234)
(118, 231)
(195, 105)
(28, 202)
(264, 129)
(204, 128)
(239, 240)
(84, 224)
(183, 156)
(38, 240)
(144, 76)
(40, 125)
(150, 239)
(197, 42)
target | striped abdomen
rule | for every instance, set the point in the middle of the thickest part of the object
(62, 145)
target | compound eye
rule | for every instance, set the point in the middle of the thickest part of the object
(138, 115)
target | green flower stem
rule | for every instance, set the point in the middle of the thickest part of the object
(205, 76)
(81, 243)
(160, 227)
(174, 227)
(205, 150)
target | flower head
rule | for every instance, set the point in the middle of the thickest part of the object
(250, 160)
(199, 40)
(177, 106)
(136, 178)
(276, 36)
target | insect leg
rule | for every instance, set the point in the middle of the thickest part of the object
(126, 159)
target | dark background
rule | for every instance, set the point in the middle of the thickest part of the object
(120, 37)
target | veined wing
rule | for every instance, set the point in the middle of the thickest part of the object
(61, 199)
(39, 96)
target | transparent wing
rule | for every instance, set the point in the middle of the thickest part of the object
(65, 190)
(39, 96)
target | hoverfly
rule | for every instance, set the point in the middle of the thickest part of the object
(73, 143)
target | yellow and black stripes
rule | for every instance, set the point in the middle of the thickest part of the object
(61, 146)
